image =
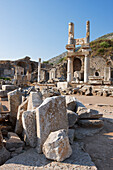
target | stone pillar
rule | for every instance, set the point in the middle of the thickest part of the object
(87, 31)
(70, 60)
(71, 33)
(86, 68)
(39, 70)
(70, 70)
(86, 61)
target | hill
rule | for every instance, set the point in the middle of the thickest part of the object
(108, 36)
(102, 46)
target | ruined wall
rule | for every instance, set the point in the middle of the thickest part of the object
(97, 64)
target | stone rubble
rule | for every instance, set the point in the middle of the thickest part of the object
(47, 122)
(56, 146)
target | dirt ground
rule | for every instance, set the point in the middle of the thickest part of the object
(99, 146)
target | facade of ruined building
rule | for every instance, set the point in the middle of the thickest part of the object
(80, 65)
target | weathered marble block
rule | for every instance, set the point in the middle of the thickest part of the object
(57, 146)
(50, 116)
(29, 125)
(14, 100)
(35, 99)
(21, 109)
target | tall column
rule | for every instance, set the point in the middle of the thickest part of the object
(69, 70)
(70, 60)
(87, 31)
(86, 68)
(86, 62)
(39, 70)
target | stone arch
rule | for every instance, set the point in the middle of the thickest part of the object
(77, 64)
(96, 73)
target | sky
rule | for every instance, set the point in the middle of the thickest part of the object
(39, 28)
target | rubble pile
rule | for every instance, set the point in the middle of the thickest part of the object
(47, 121)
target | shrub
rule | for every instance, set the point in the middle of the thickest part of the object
(60, 60)
(100, 50)
(46, 62)
(4, 78)
(104, 44)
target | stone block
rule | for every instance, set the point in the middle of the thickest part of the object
(14, 100)
(71, 103)
(29, 125)
(50, 116)
(71, 135)
(21, 109)
(4, 155)
(57, 146)
(91, 123)
(14, 141)
(62, 85)
(35, 99)
(72, 118)
(79, 106)
(8, 87)
(89, 114)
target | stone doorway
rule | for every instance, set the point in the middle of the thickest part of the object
(77, 64)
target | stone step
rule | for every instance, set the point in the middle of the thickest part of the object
(91, 123)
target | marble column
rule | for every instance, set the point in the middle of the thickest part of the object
(70, 70)
(39, 70)
(86, 61)
(87, 31)
(70, 60)
(86, 68)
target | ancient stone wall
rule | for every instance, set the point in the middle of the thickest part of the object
(97, 65)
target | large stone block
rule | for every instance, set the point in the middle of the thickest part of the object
(21, 109)
(8, 87)
(4, 155)
(72, 117)
(14, 141)
(29, 125)
(71, 103)
(91, 123)
(79, 106)
(35, 99)
(50, 116)
(89, 114)
(14, 100)
(57, 146)
(63, 85)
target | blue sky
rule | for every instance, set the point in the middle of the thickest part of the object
(39, 28)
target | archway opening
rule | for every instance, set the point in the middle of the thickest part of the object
(96, 73)
(76, 64)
